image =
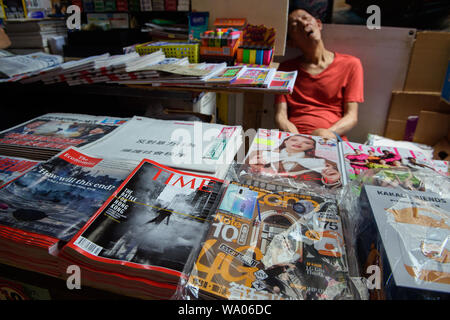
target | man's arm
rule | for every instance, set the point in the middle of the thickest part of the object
(344, 125)
(4, 40)
(281, 118)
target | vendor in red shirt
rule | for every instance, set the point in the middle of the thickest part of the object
(328, 87)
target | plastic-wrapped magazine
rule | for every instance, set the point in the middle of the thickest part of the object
(20, 64)
(186, 145)
(149, 225)
(393, 167)
(297, 160)
(57, 197)
(53, 132)
(12, 167)
(272, 245)
(405, 236)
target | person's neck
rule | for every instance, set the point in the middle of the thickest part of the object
(316, 55)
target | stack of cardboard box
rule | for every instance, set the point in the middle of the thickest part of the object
(424, 95)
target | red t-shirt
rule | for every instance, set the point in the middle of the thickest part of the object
(317, 101)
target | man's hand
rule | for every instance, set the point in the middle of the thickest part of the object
(324, 133)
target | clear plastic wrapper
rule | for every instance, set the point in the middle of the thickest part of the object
(398, 236)
(280, 244)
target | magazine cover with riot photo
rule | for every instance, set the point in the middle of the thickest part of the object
(57, 197)
(272, 245)
(155, 218)
(59, 131)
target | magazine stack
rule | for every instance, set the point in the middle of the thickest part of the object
(45, 207)
(45, 136)
(265, 245)
(145, 231)
(12, 167)
(405, 235)
(200, 147)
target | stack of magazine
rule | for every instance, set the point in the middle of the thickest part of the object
(45, 207)
(278, 232)
(145, 232)
(405, 235)
(12, 167)
(132, 69)
(272, 245)
(45, 136)
(207, 148)
(16, 67)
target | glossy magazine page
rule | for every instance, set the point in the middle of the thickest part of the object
(151, 222)
(12, 167)
(57, 197)
(58, 131)
(298, 161)
(272, 245)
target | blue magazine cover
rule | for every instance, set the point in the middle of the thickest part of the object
(57, 197)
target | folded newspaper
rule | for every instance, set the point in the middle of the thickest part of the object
(187, 145)
(22, 64)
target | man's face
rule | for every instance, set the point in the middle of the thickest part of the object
(303, 27)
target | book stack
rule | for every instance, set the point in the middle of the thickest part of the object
(204, 148)
(29, 36)
(183, 5)
(146, 5)
(45, 136)
(170, 5)
(145, 232)
(44, 208)
(158, 5)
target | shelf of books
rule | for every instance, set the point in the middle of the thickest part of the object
(165, 209)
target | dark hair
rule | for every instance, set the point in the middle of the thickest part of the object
(301, 5)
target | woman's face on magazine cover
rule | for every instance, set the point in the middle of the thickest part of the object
(298, 144)
(330, 174)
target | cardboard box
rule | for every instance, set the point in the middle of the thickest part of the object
(410, 103)
(395, 129)
(432, 127)
(428, 63)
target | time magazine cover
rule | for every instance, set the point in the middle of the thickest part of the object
(272, 245)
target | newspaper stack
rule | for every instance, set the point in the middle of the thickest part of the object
(200, 147)
(108, 68)
(145, 232)
(14, 68)
(46, 206)
(45, 136)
